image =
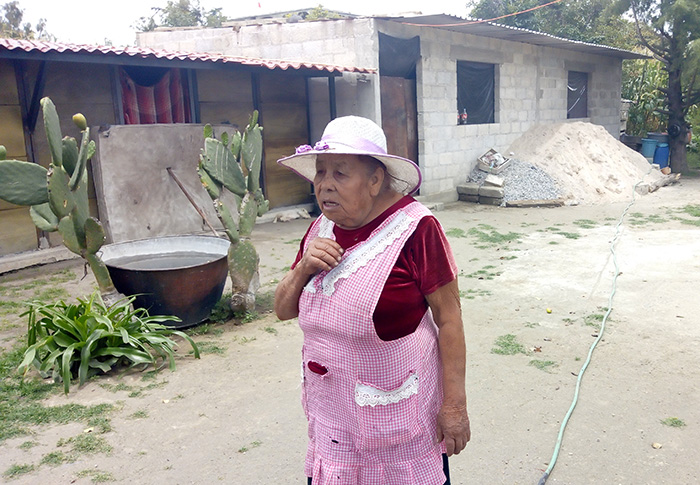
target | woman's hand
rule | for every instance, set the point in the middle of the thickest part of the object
(453, 427)
(322, 255)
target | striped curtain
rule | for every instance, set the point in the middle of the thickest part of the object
(166, 101)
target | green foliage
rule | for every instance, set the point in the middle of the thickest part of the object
(543, 365)
(318, 13)
(20, 405)
(18, 470)
(181, 13)
(585, 223)
(455, 232)
(219, 314)
(96, 476)
(670, 30)
(582, 20)
(673, 422)
(508, 345)
(488, 236)
(642, 81)
(83, 339)
(13, 27)
(87, 444)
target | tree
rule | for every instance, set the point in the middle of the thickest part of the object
(181, 13)
(670, 29)
(11, 25)
(582, 20)
(641, 79)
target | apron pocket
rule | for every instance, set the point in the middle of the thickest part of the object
(387, 417)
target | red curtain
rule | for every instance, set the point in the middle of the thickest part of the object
(166, 101)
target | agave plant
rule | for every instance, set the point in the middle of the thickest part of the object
(83, 339)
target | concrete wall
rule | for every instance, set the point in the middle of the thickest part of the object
(530, 83)
(336, 42)
(531, 88)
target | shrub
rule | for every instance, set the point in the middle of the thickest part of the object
(82, 339)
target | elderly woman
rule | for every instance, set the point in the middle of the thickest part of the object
(375, 288)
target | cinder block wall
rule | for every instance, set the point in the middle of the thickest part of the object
(531, 83)
(343, 42)
(531, 88)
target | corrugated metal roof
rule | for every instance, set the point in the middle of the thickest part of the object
(515, 34)
(91, 51)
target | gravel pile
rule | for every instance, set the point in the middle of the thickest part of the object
(523, 181)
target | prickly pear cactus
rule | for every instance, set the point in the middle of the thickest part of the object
(58, 196)
(234, 163)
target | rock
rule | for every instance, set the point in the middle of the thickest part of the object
(494, 180)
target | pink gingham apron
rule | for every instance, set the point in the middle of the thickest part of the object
(372, 405)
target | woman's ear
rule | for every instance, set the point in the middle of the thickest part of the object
(376, 181)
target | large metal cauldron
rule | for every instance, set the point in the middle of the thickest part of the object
(172, 275)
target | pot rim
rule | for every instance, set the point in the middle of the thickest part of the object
(164, 245)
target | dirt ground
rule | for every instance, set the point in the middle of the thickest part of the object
(235, 417)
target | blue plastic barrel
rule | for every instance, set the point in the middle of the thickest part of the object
(661, 155)
(648, 147)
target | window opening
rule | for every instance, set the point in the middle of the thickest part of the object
(577, 95)
(476, 83)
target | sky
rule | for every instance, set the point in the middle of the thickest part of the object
(94, 21)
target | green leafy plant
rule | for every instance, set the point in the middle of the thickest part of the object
(642, 79)
(82, 339)
(673, 422)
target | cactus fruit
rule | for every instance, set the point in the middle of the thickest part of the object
(58, 196)
(80, 121)
(234, 162)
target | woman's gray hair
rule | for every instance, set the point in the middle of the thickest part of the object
(390, 182)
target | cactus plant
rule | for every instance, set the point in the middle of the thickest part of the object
(58, 195)
(234, 163)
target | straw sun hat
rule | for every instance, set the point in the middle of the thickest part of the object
(353, 135)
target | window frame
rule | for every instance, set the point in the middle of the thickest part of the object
(464, 69)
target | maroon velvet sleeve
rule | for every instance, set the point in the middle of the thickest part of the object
(430, 257)
(424, 265)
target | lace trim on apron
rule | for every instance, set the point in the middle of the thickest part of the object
(366, 395)
(361, 256)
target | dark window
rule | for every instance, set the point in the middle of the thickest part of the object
(577, 95)
(476, 83)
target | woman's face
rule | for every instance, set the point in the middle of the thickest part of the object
(346, 189)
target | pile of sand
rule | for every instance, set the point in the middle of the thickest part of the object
(589, 165)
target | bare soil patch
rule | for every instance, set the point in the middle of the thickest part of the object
(234, 416)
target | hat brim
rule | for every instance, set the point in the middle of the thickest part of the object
(405, 174)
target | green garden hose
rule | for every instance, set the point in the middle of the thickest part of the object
(560, 437)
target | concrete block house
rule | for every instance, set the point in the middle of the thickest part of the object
(446, 89)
